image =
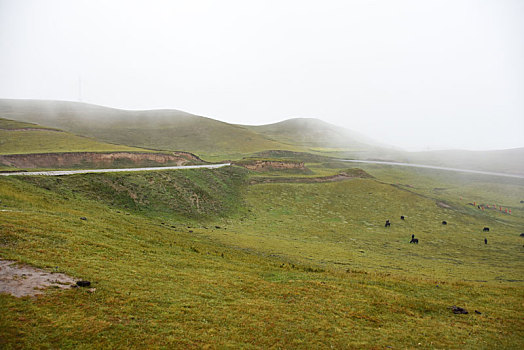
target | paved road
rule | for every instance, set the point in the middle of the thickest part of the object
(435, 167)
(71, 172)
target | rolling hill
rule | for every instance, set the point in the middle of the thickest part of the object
(173, 130)
(157, 129)
(180, 131)
(311, 133)
(315, 135)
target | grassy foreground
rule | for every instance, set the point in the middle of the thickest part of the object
(166, 276)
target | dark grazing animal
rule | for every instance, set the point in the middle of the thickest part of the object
(413, 239)
(387, 223)
(486, 229)
(83, 283)
(444, 222)
(458, 310)
(485, 241)
(402, 217)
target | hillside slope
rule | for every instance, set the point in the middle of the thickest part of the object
(310, 132)
(22, 138)
(157, 129)
(317, 136)
(215, 140)
(194, 259)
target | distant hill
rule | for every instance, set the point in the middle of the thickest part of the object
(20, 138)
(173, 130)
(315, 135)
(311, 133)
(157, 129)
(506, 161)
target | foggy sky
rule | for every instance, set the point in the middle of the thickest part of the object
(415, 74)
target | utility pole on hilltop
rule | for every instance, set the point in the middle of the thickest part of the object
(79, 89)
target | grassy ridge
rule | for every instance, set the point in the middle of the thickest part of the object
(157, 129)
(215, 140)
(21, 138)
(310, 133)
(197, 195)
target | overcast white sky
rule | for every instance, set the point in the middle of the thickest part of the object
(415, 74)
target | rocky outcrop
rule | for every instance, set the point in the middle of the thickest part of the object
(94, 159)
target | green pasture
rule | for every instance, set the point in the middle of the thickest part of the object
(201, 259)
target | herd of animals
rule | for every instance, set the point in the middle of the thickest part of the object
(415, 240)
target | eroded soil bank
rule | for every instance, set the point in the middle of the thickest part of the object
(97, 160)
(270, 165)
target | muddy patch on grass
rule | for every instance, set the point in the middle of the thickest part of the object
(23, 280)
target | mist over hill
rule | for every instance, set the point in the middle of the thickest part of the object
(312, 132)
(22, 138)
(155, 129)
(175, 130)
(506, 161)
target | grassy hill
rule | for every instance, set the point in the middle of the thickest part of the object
(317, 136)
(214, 140)
(199, 258)
(20, 138)
(313, 133)
(158, 129)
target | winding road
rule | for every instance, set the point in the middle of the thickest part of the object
(435, 167)
(89, 171)
(213, 166)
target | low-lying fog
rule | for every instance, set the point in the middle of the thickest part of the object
(415, 74)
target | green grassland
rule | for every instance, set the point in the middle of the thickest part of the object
(232, 258)
(202, 259)
(341, 224)
(21, 138)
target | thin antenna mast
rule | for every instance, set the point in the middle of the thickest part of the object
(79, 89)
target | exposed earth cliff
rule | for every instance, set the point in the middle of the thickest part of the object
(269, 165)
(94, 159)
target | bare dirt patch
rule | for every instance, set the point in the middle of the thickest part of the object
(356, 173)
(23, 280)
